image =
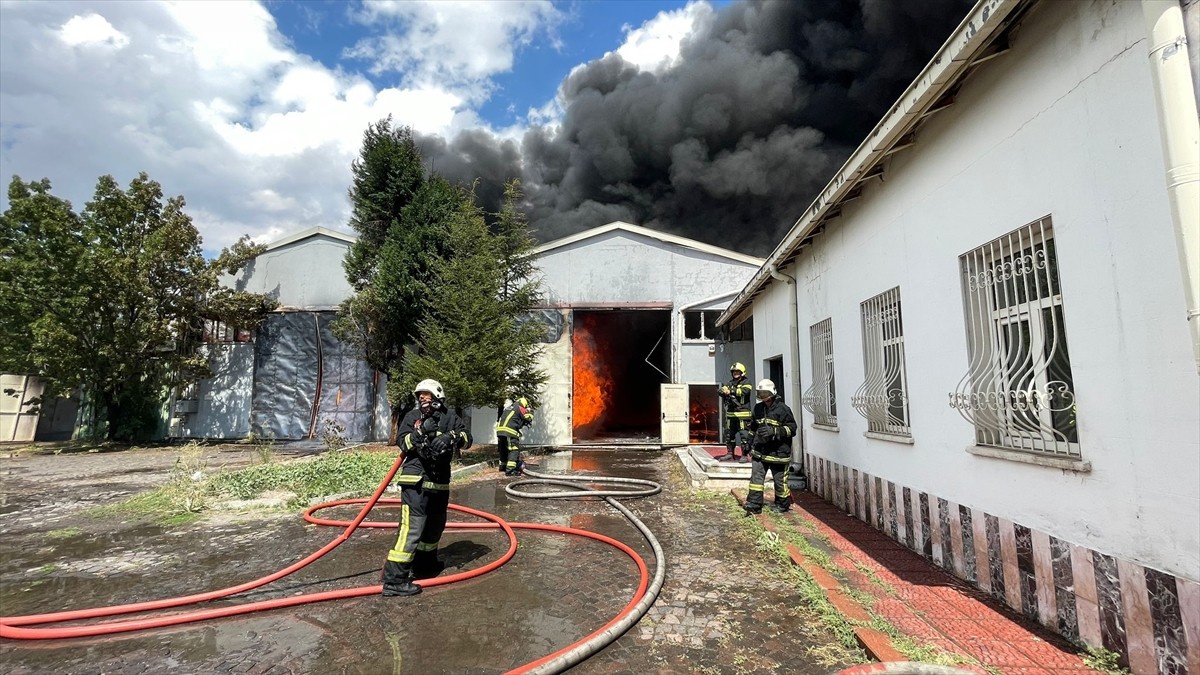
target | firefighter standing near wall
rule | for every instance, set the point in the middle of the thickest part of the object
(736, 395)
(508, 435)
(429, 435)
(772, 427)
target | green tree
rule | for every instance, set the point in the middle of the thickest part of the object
(520, 295)
(462, 336)
(400, 214)
(122, 323)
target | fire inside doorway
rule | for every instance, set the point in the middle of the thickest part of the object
(619, 359)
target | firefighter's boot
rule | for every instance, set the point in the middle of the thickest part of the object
(398, 580)
(727, 457)
(745, 457)
(780, 506)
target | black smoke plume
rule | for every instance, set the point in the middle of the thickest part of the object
(730, 145)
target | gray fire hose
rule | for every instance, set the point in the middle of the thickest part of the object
(579, 488)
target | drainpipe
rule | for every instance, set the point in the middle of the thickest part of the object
(1177, 117)
(794, 334)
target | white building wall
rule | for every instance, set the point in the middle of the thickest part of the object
(620, 267)
(306, 274)
(627, 269)
(771, 340)
(1063, 125)
(223, 401)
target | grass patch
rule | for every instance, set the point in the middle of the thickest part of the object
(49, 568)
(1099, 658)
(64, 533)
(327, 474)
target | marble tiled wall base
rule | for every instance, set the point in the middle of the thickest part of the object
(1149, 617)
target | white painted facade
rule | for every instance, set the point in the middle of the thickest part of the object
(625, 266)
(1062, 125)
(301, 271)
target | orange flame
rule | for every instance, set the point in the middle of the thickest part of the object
(591, 380)
(703, 423)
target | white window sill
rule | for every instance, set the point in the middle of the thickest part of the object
(1065, 463)
(825, 427)
(894, 438)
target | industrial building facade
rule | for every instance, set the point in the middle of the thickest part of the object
(630, 318)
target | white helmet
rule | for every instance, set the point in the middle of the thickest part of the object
(767, 386)
(432, 386)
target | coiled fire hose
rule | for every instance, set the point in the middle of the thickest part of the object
(12, 627)
(572, 655)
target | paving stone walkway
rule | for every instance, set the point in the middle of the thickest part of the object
(725, 608)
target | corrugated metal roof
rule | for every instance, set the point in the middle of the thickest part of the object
(653, 234)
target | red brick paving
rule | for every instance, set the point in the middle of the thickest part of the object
(929, 605)
(967, 621)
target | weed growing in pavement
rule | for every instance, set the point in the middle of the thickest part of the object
(1099, 658)
(64, 533)
(333, 434)
(179, 501)
(49, 568)
(327, 474)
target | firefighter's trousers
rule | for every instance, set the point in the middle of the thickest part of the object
(510, 453)
(779, 467)
(422, 521)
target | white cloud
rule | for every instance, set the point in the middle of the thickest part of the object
(92, 29)
(456, 45)
(208, 98)
(654, 46)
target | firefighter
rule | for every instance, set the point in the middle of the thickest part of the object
(428, 435)
(508, 435)
(772, 427)
(736, 395)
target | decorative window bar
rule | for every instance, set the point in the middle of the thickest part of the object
(883, 396)
(1018, 390)
(820, 398)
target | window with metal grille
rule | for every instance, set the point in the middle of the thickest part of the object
(1018, 391)
(820, 399)
(882, 398)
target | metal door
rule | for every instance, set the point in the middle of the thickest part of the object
(674, 399)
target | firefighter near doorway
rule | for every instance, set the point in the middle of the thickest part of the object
(736, 396)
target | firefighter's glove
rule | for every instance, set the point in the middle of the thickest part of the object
(441, 445)
(764, 433)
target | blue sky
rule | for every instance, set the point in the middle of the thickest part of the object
(254, 110)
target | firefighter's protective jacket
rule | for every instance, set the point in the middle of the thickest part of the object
(737, 395)
(512, 421)
(424, 453)
(773, 426)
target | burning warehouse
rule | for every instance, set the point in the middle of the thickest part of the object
(632, 350)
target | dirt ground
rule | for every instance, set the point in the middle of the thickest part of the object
(726, 607)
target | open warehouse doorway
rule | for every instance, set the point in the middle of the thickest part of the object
(619, 359)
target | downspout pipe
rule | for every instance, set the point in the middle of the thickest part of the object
(1175, 97)
(794, 335)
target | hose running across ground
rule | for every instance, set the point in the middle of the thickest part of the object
(573, 654)
(11, 627)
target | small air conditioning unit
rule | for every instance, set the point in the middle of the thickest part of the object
(187, 407)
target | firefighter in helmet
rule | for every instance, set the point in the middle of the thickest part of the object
(429, 434)
(508, 435)
(772, 427)
(736, 395)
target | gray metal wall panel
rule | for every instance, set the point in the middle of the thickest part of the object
(347, 387)
(224, 399)
(285, 381)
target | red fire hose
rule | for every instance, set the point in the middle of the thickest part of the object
(10, 627)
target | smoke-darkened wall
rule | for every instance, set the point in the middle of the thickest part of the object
(730, 145)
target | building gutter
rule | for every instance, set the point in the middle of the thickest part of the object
(964, 49)
(794, 335)
(1175, 97)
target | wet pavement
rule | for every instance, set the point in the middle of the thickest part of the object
(724, 607)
